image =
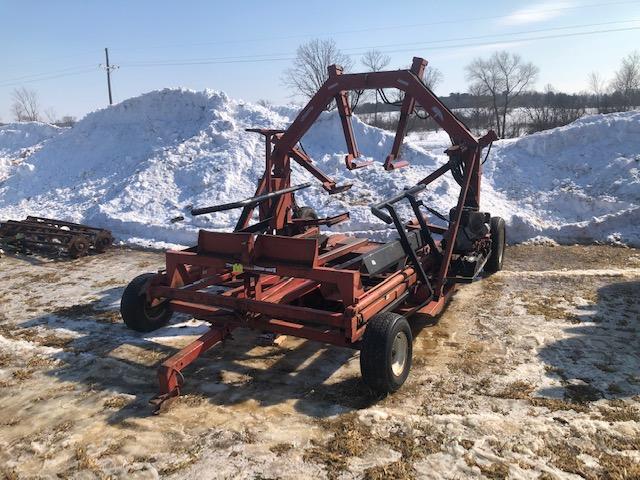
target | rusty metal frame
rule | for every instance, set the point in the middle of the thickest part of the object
(281, 145)
(268, 281)
(75, 239)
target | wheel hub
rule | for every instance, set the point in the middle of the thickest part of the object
(154, 312)
(399, 351)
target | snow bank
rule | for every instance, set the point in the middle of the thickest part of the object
(135, 166)
(579, 183)
(19, 140)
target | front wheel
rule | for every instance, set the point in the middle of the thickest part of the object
(498, 238)
(136, 311)
(385, 357)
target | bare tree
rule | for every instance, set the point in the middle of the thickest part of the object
(503, 77)
(67, 121)
(626, 80)
(26, 106)
(597, 87)
(550, 109)
(479, 116)
(309, 70)
(51, 115)
(375, 61)
(432, 77)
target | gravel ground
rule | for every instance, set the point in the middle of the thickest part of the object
(530, 373)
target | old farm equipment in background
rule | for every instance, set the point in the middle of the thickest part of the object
(279, 273)
(60, 237)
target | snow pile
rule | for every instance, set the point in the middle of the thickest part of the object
(577, 183)
(135, 166)
(19, 140)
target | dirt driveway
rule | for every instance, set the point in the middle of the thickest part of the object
(531, 373)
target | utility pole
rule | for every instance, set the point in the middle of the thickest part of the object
(108, 68)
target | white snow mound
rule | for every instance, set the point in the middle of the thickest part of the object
(19, 140)
(577, 183)
(135, 166)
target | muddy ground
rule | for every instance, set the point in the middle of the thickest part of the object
(530, 373)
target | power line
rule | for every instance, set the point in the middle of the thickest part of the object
(253, 59)
(382, 28)
(33, 61)
(477, 37)
(290, 55)
(345, 32)
(215, 61)
(527, 39)
(33, 75)
(50, 77)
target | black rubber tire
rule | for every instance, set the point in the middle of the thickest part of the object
(376, 354)
(498, 239)
(102, 241)
(78, 246)
(135, 311)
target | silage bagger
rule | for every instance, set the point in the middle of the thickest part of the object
(278, 273)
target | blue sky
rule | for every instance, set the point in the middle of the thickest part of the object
(55, 47)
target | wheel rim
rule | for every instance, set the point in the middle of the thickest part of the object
(154, 313)
(78, 247)
(399, 353)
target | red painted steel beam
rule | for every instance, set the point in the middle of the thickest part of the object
(332, 336)
(344, 111)
(380, 290)
(274, 310)
(435, 174)
(341, 250)
(408, 104)
(404, 80)
(305, 162)
(169, 376)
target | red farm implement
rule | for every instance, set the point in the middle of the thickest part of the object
(280, 274)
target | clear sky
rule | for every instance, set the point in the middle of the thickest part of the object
(242, 47)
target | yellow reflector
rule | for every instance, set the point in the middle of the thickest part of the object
(237, 268)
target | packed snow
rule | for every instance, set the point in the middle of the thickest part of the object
(19, 140)
(138, 165)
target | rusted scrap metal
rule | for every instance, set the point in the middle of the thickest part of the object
(39, 233)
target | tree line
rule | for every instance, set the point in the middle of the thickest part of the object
(500, 95)
(500, 92)
(26, 107)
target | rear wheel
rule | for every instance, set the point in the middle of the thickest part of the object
(136, 311)
(385, 357)
(103, 241)
(494, 263)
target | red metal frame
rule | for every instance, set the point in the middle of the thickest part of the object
(271, 281)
